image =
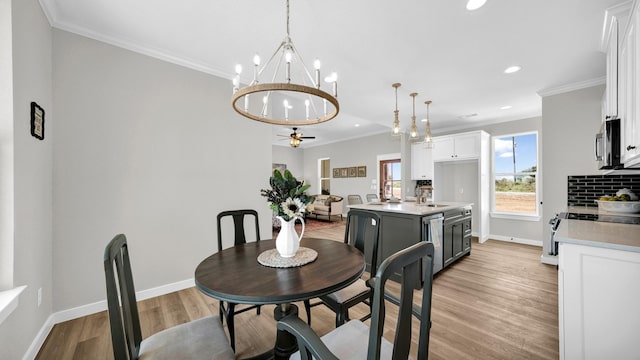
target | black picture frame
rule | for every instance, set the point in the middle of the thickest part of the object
(353, 171)
(37, 121)
(362, 171)
(336, 172)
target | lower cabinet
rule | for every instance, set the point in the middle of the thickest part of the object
(456, 240)
(598, 292)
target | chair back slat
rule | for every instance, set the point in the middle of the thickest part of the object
(406, 262)
(238, 216)
(363, 227)
(121, 299)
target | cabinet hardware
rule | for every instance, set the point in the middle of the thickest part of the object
(630, 147)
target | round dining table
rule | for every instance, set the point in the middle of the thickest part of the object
(235, 275)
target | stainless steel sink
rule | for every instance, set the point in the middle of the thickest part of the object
(436, 205)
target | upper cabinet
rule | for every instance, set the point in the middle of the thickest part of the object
(421, 162)
(622, 95)
(456, 147)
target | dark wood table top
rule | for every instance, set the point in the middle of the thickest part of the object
(235, 275)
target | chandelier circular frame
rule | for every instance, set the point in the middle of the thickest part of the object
(280, 87)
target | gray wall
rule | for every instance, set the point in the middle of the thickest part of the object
(569, 124)
(145, 148)
(355, 152)
(293, 158)
(32, 183)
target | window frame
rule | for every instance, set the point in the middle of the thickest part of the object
(509, 214)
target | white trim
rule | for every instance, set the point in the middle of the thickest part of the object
(615, 11)
(516, 240)
(9, 301)
(571, 87)
(514, 216)
(88, 309)
(549, 259)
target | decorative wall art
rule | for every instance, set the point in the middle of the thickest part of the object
(280, 167)
(353, 171)
(344, 172)
(336, 172)
(362, 171)
(348, 172)
(37, 121)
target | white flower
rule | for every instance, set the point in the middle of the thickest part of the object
(293, 207)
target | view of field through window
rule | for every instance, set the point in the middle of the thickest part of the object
(515, 159)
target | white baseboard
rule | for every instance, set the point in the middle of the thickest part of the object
(549, 259)
(84, 310)
(516, 240)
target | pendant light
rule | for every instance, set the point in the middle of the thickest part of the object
(414, 129)
(428, 139)
(396, 121)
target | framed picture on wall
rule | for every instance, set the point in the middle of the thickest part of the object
(37, 121)
(336, 172)
(344, 172)
(353, 171)
(362, 171)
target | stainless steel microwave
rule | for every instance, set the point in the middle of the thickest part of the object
(607, 146)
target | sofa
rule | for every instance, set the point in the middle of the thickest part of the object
(326, 205)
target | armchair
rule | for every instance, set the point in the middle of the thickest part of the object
(326, 205)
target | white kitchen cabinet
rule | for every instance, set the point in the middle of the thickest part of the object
(629, 93)
(421, 162)
(463, 146)
(611, 92)
(598, 292)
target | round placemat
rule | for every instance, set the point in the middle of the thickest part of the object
(303, 256)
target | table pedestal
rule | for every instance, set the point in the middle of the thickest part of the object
(286, 343)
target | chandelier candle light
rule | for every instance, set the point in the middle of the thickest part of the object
(292, 86)
(428, 139)
(396, 120)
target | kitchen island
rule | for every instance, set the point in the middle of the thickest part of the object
(598, 288)
(403, 224)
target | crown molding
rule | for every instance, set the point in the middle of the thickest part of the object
(618, 12)
(571, 87)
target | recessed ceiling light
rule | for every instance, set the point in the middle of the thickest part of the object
(475, 4)
(512, 69)
(357, 125)
(506, 107)
(467, 116)
(424, 120)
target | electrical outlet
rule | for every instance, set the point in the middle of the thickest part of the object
(39, 297)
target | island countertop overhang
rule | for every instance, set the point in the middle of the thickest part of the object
(411, 208)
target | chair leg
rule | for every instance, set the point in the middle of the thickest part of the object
(258, 309)
(307, 308)
(221, 311)
(342, 316)
(231, 325)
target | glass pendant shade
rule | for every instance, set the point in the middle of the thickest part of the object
(428, 139)
(414, 129)
(396, 120)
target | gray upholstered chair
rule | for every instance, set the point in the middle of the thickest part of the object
(362, 231)
(372, 197)
(355, 340)
(228, 310)
(199, 339)
(354, 199)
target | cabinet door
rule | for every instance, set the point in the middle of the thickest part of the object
(447, 244)
(458, 239)
(421, 162)
(467, 146)
(611, 91)
(443, 148)
(631, 93)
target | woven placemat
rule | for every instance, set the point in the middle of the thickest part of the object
(303, 256)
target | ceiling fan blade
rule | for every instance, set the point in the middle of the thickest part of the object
(307, 137)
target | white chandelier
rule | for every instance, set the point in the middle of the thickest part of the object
(291, 84)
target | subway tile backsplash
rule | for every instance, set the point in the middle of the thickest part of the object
(583, 190)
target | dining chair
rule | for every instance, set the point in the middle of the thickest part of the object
(228, 310)
(355, 340)
(372, 197)
(362, 232)
(354, 199)
(199, 339)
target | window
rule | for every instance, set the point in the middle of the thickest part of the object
(324, 169)
(515, 168)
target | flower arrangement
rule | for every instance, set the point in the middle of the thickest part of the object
(286, 196)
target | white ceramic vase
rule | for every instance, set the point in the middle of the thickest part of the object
(288, 240)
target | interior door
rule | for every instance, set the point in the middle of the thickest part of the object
(390, 179)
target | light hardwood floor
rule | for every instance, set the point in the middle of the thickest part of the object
(498, 303)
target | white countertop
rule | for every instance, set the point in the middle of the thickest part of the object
(597, 233)
(411, 208)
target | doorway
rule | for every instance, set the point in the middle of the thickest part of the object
(390, 179)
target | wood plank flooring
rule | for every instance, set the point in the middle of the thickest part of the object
(498, 303)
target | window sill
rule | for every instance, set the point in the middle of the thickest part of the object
(9, 301)
(512, 216)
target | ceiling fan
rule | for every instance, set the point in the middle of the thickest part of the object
(295, 138)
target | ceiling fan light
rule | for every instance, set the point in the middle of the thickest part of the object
(475, 4)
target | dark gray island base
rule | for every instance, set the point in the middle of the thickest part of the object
(406, 223)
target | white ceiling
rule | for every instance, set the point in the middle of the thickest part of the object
(436, 48)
